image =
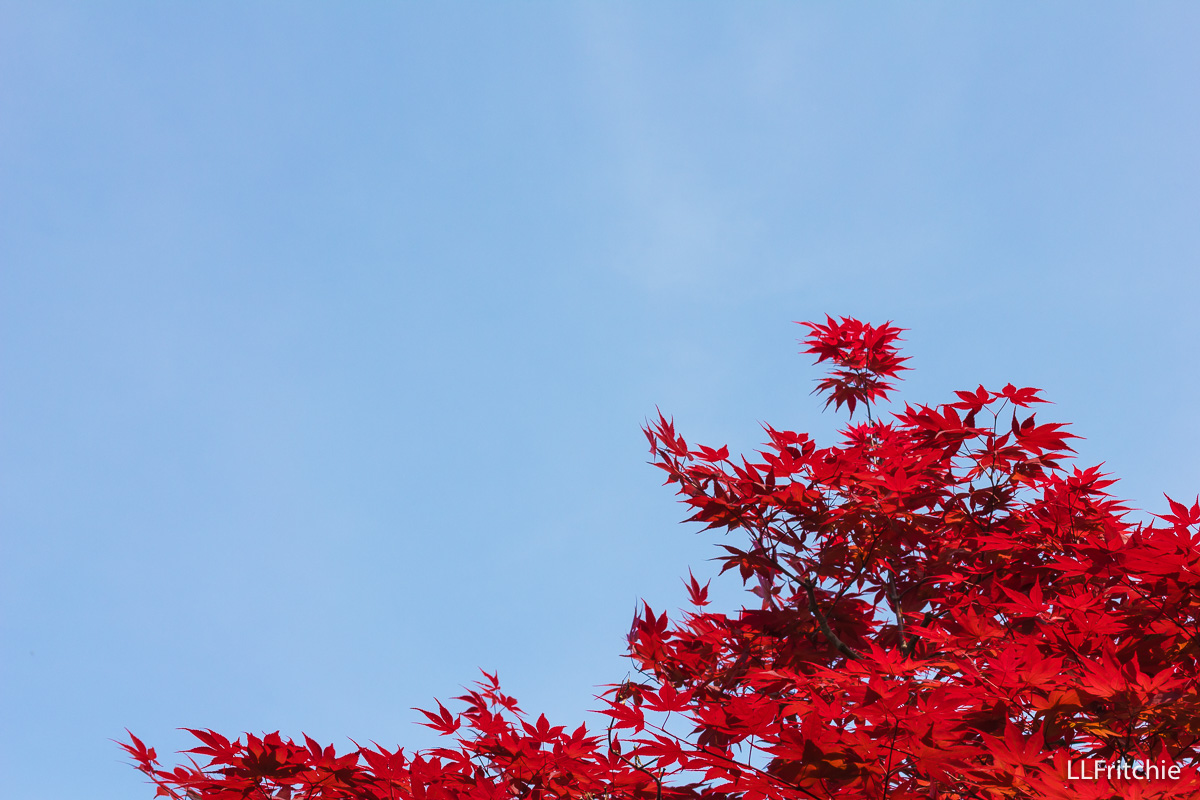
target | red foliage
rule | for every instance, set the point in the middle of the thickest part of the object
(942, 611)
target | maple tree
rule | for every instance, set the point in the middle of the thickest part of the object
(940, 609)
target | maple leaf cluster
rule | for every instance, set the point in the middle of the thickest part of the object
(939, 609)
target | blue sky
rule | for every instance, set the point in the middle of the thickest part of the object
(326, 331)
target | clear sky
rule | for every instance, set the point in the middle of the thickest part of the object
(327, 330)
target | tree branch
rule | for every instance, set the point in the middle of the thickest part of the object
(832, 637)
